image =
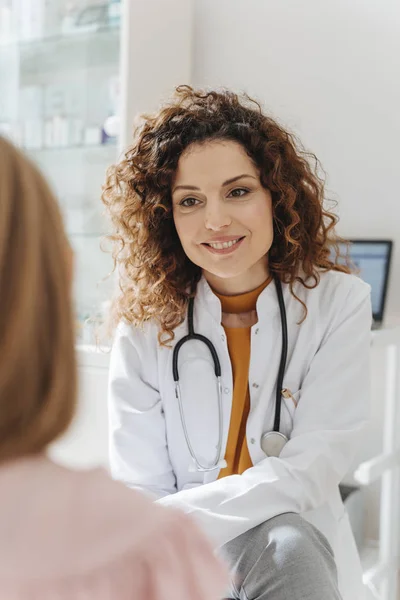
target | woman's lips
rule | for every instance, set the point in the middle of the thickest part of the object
(223, 247)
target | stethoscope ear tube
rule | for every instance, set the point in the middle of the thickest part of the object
(194, 336)
(282, 364)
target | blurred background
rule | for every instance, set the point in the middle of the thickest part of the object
(73, 76)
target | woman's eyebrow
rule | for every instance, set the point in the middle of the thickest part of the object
(227, 182)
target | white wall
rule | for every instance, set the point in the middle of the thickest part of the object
(329, 70)
(155, 55)
(85, 444)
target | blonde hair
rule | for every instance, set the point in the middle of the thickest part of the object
(37, 366)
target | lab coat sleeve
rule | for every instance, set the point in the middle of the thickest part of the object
(137, 434)
(333, 407)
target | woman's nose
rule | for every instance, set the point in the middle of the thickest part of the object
(217, 216)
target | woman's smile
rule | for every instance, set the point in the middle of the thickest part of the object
(224, 247)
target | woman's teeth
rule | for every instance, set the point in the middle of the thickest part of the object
(222, 245)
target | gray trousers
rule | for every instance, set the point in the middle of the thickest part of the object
(285, 558)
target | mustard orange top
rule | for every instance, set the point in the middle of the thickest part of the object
(237, 454)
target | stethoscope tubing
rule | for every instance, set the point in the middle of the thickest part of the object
(284, 350)
(217, 369)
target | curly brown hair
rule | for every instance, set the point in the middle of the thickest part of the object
(156, 277)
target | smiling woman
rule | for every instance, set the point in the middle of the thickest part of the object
(157, 276)
(225, 221)
(239, 344)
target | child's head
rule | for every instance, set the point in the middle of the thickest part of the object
(37, 366)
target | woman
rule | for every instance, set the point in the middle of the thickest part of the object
(216, 210)
(66, 534)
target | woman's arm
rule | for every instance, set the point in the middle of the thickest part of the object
(333, 406)
(137, 435)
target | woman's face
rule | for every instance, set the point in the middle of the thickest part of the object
(223, 215)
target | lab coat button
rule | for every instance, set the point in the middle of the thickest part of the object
(223, 338)
(226, 390)
(256, 331)
(252, 441)
(256, 386)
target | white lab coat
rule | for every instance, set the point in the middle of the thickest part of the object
(328, 373)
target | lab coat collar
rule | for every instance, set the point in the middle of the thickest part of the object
(267, 302)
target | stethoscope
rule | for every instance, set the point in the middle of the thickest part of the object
(272, 442)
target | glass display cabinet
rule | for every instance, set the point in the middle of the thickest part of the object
(73, 74)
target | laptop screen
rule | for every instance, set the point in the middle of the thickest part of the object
(372, 258)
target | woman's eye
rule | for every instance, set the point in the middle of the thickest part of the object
(188, 202)
(238, 192)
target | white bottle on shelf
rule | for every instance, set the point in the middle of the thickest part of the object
(92, 136)
(48, 133)
(114, 13)
(31, 116)
(63, 131)
(75, 131)
(33, 134)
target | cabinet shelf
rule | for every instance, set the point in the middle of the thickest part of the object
(77, 36)
(72, 157)
(67, 52)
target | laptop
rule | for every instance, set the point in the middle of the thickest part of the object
(372, 258)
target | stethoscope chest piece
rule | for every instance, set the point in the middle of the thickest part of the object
(273, 442)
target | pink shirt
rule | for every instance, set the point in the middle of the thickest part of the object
(78, 535)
